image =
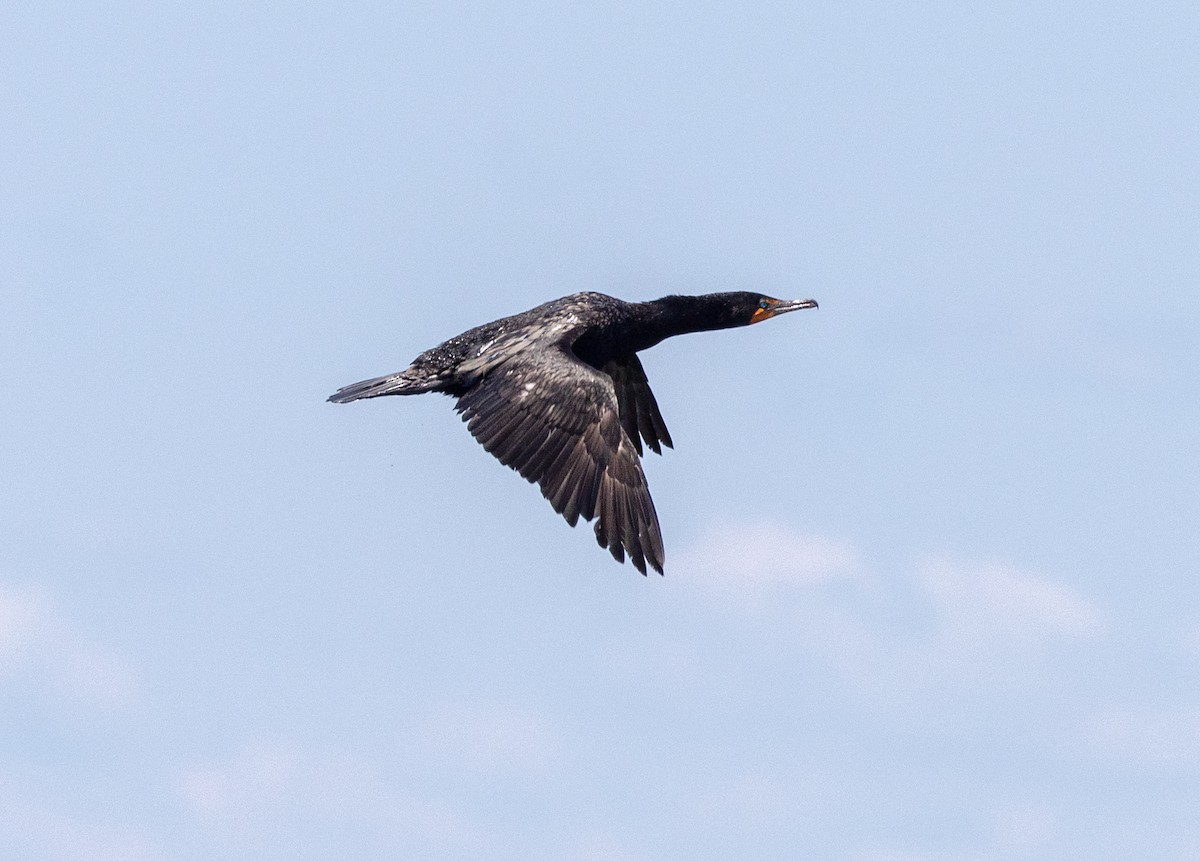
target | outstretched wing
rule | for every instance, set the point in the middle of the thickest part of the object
(556, 421)
(639, 411)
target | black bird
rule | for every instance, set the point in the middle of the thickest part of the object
(558, 394)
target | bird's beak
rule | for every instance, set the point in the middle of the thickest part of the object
(786, 305)
(781, 306)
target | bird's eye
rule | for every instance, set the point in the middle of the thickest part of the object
(763, 304)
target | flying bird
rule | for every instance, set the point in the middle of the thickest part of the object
(558, 394)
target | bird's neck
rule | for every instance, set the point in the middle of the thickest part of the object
(678, 315)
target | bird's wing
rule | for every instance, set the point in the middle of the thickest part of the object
(640, 415)
(556, 421)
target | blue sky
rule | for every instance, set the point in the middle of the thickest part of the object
(932, 557)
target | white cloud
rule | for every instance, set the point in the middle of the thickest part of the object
(594, 847)
(254, 777)
(759, 802)
(39, 643)
(932, 627)
(490, 737)
(1191, 643)
(763, 560)
(1147, 735)
(36, 828)
(993, 599)
(981, 601)
(904, 855)
(1025, 827)
(263, 787)
(993, 627)
(21, 615)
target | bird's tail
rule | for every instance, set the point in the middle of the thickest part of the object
(407, 382)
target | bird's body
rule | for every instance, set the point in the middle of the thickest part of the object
(558, 393)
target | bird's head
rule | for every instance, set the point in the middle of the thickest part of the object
(747, 308)
(766, 307)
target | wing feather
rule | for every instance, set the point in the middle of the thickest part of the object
(640, 415)
(567, 427)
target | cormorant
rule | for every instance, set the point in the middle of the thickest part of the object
(558, 394)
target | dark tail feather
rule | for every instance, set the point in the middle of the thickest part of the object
(392, 384)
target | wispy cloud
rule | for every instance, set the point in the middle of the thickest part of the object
(1019, 831)
(771, 563)
(593, 847)
(243, 783)
(1191, 643)
(490, 736)
(263, 787)
(984, 600)
(37, 828)
(40, 645)
(904, 855)
(760, 561)
(1148, 736)
(269, 792)
(1024, 828)
(922, 624)
(992, 627)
